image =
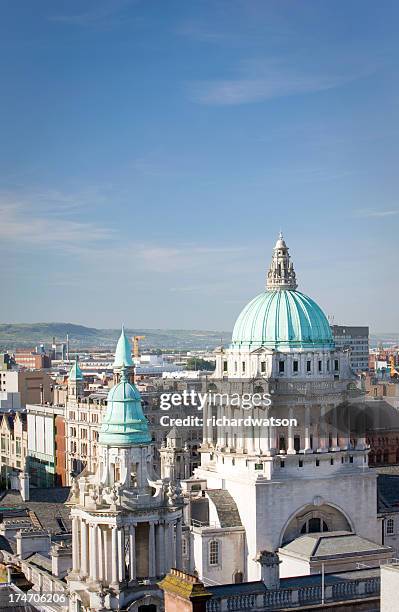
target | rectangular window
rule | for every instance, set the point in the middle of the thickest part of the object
(243, 367)
(300, 463)
(336, 365)
(320, 366)
(224, 370)
(390, 527)
(263, 366)
(213, 552)
(308, 366)
(295, 366)
(328, 365)
(281, 367)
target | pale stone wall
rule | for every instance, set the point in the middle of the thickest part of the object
(389, 588)
(231, 543)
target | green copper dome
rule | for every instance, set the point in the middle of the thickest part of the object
(281, 319)
(124, 423)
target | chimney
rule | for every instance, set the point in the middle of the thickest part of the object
(270, 573)
(184, 592)
(24, 485)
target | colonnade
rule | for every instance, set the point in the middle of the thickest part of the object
(316, 430)
(108, 553)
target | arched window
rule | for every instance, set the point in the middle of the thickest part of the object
(214, 552)
(238, 578)
(314, 525)
(390, 527)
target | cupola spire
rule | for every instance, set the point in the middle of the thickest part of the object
(281, 273)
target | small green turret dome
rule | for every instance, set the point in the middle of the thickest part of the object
(124, 422)
(75, 372)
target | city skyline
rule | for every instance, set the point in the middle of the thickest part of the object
(154, 154)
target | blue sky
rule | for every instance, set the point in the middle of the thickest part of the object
(151, 152)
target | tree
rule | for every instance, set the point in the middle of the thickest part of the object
(195, 363)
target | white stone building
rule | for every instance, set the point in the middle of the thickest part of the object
(277, 483)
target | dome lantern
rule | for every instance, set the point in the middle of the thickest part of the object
(281, 273)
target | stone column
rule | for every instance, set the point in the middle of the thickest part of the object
(179, 551)
(273, 445)
(75, 545)
(151, 551)
(168, 552)
(205, 426)
(106, 553)
(266, 440)
(132, 553)
(323, 431)
(83, 543)
(250, 443)
(100, 553)
(93, 553)
(115, 556)
(290, 448)
(160, 545)
(172, 544)
(122, 556)
(335, 436)
(307, 447)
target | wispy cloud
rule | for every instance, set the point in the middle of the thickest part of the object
(260, 81)
(367, 212)
(43, 219)
(162, 259)
(102, 13)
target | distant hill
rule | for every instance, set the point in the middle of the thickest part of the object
(33, 334)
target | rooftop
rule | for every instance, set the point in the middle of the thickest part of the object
(46, 508)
